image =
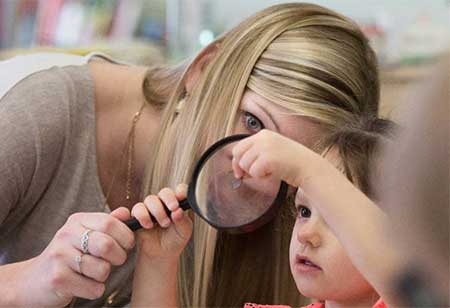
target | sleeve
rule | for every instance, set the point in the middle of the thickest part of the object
(380, 304)
(252, 305)
(32, 130)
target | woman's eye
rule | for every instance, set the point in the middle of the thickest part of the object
(252, 123)
(303, 212)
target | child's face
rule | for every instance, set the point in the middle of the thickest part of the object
(319, 264)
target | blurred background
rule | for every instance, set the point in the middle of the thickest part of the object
(407, 35)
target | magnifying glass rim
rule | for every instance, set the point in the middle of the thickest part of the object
(263, 218)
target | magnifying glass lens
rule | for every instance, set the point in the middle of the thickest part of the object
(228, 202)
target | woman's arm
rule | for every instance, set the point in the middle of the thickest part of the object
(13, 292)
(33, 132)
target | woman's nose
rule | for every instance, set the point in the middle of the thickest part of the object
(309, 234)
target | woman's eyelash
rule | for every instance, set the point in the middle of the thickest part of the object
(246, 117)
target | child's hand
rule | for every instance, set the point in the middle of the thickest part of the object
(171, 236)
(270, 154)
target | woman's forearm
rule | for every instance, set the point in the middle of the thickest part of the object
(10, 287)
(154, 283)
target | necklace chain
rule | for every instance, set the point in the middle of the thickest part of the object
(130, 167)
(128, 150)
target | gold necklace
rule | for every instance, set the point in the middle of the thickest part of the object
(127, 150)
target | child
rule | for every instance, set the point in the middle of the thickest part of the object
(332, 253)
(334, 220)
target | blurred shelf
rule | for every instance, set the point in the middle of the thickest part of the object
(135, 52)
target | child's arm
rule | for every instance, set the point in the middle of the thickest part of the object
(159, 247)
(356, 221)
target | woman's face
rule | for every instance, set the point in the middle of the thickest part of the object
(228, 204)
(256, 113)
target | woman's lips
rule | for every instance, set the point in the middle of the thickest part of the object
(305, 265)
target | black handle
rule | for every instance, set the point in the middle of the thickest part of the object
(134, 224)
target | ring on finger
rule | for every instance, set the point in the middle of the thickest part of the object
(85, 241)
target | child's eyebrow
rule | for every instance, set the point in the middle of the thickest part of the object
(300, 197)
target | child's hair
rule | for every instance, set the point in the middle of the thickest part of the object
(358, 146)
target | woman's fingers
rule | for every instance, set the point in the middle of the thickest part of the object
(121, 213)
(107, 224)
(67, 281)
(88, 265)
(98, 244)
(103, 246)
(78, 260)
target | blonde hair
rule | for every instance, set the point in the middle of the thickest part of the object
(308, 59)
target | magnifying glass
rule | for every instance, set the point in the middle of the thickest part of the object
(224, 202)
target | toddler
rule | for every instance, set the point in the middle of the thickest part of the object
(334, 256)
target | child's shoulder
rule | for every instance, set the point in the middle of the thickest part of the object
(251, 305)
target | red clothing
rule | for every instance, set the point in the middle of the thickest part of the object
(378, 304)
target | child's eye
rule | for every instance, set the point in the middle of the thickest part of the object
(303, 211)
(252, 123)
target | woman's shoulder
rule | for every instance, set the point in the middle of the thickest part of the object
(16, 69)
(42, 117)
(51, 97)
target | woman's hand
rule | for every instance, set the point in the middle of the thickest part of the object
(63, 271)
(167, 237)
(270, 154)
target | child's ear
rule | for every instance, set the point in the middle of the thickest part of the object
(200, 62)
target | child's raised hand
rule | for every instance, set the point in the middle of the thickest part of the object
(168, 236)
(270, 154)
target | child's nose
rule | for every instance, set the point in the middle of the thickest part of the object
(309, 234)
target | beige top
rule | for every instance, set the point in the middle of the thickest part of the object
(48, 165)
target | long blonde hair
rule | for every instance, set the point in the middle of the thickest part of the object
(308, 59)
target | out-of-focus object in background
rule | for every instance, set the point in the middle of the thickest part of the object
(414, 189)
(132, 30)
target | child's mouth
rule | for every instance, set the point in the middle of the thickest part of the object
(304, 264)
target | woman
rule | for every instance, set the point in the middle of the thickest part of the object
(298, 69)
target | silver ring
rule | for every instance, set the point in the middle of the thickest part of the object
(78, 262)
(85, 241)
